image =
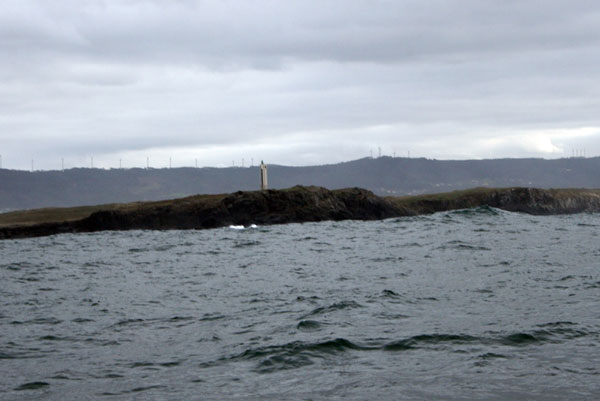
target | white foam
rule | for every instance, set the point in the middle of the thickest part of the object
(234, 227)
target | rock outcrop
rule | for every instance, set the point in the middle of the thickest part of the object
(546, 201)
(525, 200)
(297, 204)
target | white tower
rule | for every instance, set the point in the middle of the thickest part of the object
(263, 176)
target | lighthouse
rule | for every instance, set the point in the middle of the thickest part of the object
(263, 176)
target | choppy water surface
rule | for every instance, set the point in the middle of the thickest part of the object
(478, 304)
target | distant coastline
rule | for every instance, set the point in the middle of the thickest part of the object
(294, 205)
(384, 176)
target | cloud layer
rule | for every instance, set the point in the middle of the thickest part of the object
(295, 82)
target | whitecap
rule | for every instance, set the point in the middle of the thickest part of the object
(236, 227)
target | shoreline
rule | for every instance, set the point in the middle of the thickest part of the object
(293, 205)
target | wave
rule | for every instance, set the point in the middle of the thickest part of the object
(40, 321)
(298, 354)
(477, 211)
(333, 307)
(175, 321)
(309, 325)
(396, 298)
(135, 390)
(245, 244)
(32, 386)
(462, 245)
(428, 339)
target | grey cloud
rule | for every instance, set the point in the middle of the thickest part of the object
(126, 76)
(228, 33)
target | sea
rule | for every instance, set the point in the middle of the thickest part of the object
(477, 304)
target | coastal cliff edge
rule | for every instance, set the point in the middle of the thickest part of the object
(293, 205)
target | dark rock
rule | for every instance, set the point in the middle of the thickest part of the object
(304, 204)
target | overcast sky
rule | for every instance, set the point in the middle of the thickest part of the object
(295, 82)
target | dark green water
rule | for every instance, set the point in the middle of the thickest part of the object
(479, 304)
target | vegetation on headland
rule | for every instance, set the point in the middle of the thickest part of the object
(68, 214)
(297, 204)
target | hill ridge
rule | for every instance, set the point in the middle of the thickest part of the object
(384, 176)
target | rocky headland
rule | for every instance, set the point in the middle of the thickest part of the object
(293, 205)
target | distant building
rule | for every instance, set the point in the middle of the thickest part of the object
(263, 176)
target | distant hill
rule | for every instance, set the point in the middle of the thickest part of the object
(384, 176)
